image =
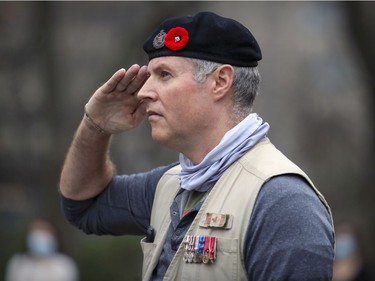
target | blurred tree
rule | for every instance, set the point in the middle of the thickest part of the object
(361, 26)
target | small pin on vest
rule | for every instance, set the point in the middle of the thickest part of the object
(212, 220)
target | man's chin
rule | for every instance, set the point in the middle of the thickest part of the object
(159, 137)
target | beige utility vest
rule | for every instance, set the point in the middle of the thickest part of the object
(234, 194)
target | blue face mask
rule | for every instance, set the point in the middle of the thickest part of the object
(41, 243)
(346, 246)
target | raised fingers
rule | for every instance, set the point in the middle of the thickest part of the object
(112, 83)
(130, 75)
(126, 81)
(138, 81)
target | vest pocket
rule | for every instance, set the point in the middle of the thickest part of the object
(227, 265)
(148, 250)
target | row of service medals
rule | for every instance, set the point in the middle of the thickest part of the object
(200, 248)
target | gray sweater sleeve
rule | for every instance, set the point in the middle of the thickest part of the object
(124, 207)
(290, 235)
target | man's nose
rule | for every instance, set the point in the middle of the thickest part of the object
(147, 91)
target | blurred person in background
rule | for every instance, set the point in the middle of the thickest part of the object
(42, 261)
(349, 264)
(234, 207)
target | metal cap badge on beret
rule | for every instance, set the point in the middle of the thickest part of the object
(206, 36)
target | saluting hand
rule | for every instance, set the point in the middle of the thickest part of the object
(114, 106)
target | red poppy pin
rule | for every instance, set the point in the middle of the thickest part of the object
(176, 38)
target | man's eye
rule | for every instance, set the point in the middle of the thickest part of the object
(164, 74)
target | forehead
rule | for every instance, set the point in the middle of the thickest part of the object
(177, 63)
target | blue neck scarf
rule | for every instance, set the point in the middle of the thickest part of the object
(235, 143)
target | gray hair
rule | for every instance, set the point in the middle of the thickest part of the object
(245, 83)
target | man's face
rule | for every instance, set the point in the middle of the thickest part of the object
(177, 106)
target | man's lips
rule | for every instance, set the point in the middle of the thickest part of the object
(151, 112)
(153, 115)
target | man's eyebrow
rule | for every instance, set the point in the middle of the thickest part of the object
(159, 68)
(162, 65)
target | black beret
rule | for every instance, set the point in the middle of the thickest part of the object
(205, 36)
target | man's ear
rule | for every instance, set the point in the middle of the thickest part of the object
(223, 77)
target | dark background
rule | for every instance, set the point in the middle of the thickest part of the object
(317, 93)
